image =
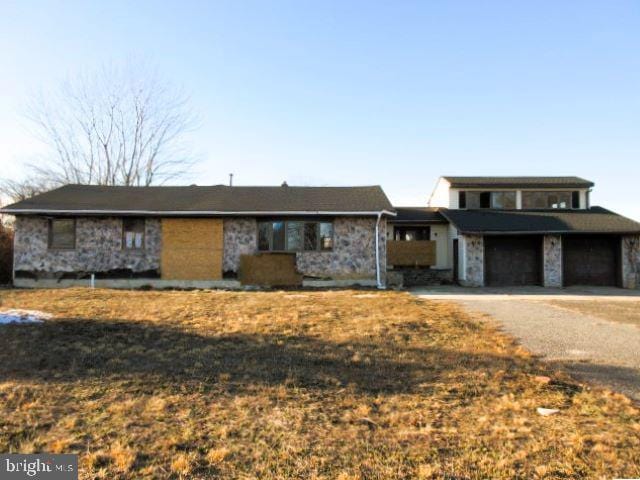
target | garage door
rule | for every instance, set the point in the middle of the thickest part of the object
(512, 261)
(591, 260)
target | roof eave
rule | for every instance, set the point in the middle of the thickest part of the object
(548, 232)
(203, 213)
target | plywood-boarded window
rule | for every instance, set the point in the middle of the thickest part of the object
(192, 248)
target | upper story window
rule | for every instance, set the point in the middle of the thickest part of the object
(295, 236)
(62, 233)
(132, 233)
(505, 200)
(497, 200)
(544, 200)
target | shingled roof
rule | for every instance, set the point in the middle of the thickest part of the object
(518, 182)
(204, 200)
(418, 215)
(593, 220)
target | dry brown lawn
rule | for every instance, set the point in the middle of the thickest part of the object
(621, 311)
(306, 385)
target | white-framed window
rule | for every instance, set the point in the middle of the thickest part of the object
(133, 233)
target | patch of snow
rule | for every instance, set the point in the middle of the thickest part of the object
(545, 412)
(23, 316)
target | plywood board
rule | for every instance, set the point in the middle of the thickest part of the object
(421, 253)
(270, 270)
(191, 249)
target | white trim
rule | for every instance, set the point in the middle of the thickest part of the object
(189, 213)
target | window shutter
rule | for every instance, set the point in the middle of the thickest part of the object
(462, 199)
(485, 200)
(575, 199)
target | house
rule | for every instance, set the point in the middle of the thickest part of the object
(475, 231)
(197, 236)
(512, 231)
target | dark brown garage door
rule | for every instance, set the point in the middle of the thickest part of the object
(590, 260)
(513, 260)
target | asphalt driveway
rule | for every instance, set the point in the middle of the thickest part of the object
(579, 328)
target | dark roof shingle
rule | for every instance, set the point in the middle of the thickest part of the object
(418, 215)
(518, 182)
(593, 220)
(204, 200)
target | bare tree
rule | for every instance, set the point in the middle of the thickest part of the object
(21, 189)
(117, 127)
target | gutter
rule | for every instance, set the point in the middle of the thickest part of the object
(547, 232)
(183, 213)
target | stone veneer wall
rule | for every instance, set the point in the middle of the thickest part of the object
(631, 261)
(353, 254)
(240, 238)
(352, 257)
(474, 260)
(98, 247)
(552, 260)
(413, 277)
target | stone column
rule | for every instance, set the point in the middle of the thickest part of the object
(552, 260)
(473, 260)
(631, 261)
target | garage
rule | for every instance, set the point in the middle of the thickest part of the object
(591, 260)
(513, 261)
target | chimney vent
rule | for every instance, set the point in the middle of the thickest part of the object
(284, 184)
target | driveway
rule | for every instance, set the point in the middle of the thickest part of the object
(590, 331)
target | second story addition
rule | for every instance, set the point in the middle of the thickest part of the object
(511, 193)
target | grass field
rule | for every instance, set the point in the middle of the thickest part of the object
(306, 385)
(621, 311)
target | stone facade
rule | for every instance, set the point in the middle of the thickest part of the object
(353, 254)
(413, 277)
(240, 238)
(552, 260)
(631, 261)
(98, 247)
(473, 260)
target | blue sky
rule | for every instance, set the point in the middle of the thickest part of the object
(349, 92)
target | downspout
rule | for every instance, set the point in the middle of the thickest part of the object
(13, 252)
(378, 282)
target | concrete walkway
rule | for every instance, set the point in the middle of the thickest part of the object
(591, 348)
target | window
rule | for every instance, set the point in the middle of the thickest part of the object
(411, 234)
(503, 200)
(295, 236)
(132, 233)
(545, 200)
(310, 236)
(497, 200)
(62, 233)
(264, 236)
(326, 236)
(277, 237)
(473, 200)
